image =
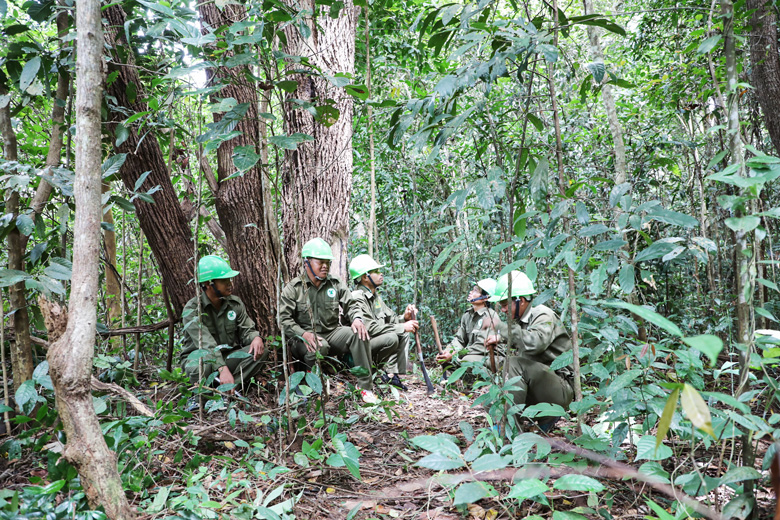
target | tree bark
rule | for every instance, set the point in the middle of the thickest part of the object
(22, 363)
(164, 224)
(241, 201)
(70, 357)
(766, 64)
(317, 177)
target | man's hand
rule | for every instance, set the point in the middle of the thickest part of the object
(491, 341)
(411, 326)
(256, 348)
(410, 312)
(311, 341)
(226, 376)
(444, 357)
(359, 328)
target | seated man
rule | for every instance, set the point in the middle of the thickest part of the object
(538, 337)
(223, 323)
(309, 315)
(475, 325)
(389, 332)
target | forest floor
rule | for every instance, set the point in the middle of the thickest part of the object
(391, 486)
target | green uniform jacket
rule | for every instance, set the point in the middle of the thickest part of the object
(471, 336)
(296, 309)
(539, 335)
(377, 316)
(231, 326)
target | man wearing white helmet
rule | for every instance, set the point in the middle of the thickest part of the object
(538, 338)
(389, 332)
(468, 344)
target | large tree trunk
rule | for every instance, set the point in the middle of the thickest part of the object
(241, 201)
(317, 178)
(164, 224)
(70, 357)
(766, 64)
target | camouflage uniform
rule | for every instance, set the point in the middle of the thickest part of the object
(389, 341)
(230, 326)
(301, 302)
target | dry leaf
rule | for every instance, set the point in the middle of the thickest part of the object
(330, 491)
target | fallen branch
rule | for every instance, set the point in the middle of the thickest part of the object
(122, 393)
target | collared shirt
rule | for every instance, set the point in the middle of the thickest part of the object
(230, 325)
(322, 304)
(471, 333)
(538, 335)
(377, 316)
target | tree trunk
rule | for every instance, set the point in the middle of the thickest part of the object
(240, 202)
(21, 348)
(766, 64)
(164, 224)
(317, 177)
(70, 357)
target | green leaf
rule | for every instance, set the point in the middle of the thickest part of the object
(660, 511)
(58, 272)
(583, 217)
(672, 217)
(648, 315)
(568, 515)
(657, 249)
(289, 142)
(746, 224)
(26, 393)
(10, 277)
(610, 245)
(245, 157)
(574, 482)
(739, 474)
(446, 85)
(709, 44)
(645, 449)
(527, 488)
(489, 462)
(25, 224)
(159, 500)
(438, 462)
(121, 133)
(471, 492)
(617, 192)
(593, 230)
(358, 91)
(627, 278)
(666, 417)
(536, 122)
(29, 72)
(597, 70)
(113, 164)
(550, 52)
(696, 409)
(707, 344)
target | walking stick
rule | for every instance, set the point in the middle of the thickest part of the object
(436, 334)
(428, 383)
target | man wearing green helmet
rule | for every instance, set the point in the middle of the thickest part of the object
(468, 344)
(538, 338)
(388, 331)
(222, 329)
(310, 316)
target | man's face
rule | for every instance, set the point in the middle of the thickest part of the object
(504, 306)
(320, 267)
(475, 293)
(376, 276)
(224, 286)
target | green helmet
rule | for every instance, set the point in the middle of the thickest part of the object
(360, 265)
(488, 285)
(317, 248)
(212, 267)
(521, 286)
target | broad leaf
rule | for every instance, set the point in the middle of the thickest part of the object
(575, 482)
(648, 315)
(528, 488)
(471, 492)
(29, 72)
(666, 417)
(696, 409)
(439, 462)
(707, 344)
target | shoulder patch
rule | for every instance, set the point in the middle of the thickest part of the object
(331, 292)
(231, 315)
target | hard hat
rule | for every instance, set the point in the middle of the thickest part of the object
(362, 264)
(317, 248)
(521, 286)
(212, 267)
(488, 285)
